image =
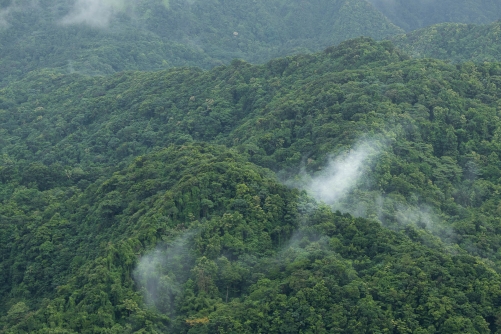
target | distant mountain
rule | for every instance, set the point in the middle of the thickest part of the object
(104, 37)
(410, 15)
(454, 41)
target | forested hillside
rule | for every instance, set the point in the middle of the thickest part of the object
(104, 37)
(455, 42)
(190, 201)
(410, 15)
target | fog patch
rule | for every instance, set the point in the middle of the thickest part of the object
(344, 173)
(422, 216)
(94, 13)
(160, 274)
(346, 184)
(397, 212)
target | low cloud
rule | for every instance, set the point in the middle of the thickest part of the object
(420, 215)
(94, 13)
(346, 184)
(398, 3)
(161, 273)
(343, 173)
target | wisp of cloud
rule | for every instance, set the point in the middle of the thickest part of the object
(343, 173)
(94, 13)
(160, 273)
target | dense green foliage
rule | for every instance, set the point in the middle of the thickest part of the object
(155, 34)
(454, 42)
(84, 244)
(411, 15)
(224, 227)
(149, 201)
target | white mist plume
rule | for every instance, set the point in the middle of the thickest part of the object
(160, 273)
(343, 173)
(344, 184)
(94, 13)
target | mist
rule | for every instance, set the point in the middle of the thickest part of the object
(344, 172)
(160, 273)
(347, 184)
(94, 13)
(396, 213)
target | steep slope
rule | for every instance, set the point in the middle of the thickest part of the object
(410, 15)
(110, 36)
(455, 42)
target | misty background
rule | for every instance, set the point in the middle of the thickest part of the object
(93, 37)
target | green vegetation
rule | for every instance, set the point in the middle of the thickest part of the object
(238, 270)
(118, 35)
(149, 201)
(410, 15)
(454, 42)
(148, 35)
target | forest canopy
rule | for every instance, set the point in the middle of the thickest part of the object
(184, 200)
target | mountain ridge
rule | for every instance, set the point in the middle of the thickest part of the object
(411, 15)
(453, 41)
